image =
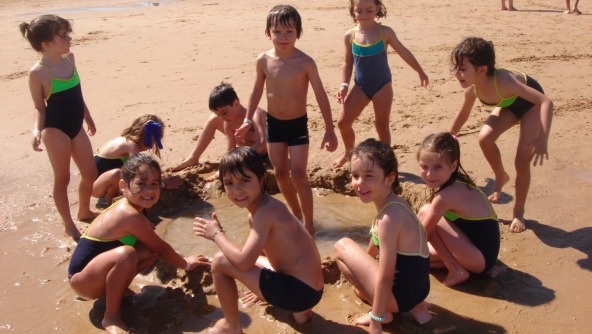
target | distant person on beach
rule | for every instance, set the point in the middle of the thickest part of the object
(510, 5)
(515, 98)
(59, 113)
(145, 134)
(286, 73)
(288, 275)
(392, 273)
(228, 116)
(462, 227)
(366, 55)
(575, 7)
(121, 242)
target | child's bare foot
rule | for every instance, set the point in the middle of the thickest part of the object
(517, 225)
(497, 189)
(87, 216)
(339, 162)
(223, 327)
(114, 326)
(364, 320)
(302, 318)
(456, 277)
(504, 8)
(421, 314)
(577, 11)
(567, 12)
(512, 9)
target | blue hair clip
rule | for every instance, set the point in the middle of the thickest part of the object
(152, 130)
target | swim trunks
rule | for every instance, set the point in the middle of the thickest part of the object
(105, 164)
(89, 247)
(292, 131)
(482, 231)
(370, 65)
(515, 104)
(64, 106)
(411, 284)
(287, 292)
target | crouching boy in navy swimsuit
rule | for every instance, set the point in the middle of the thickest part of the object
(289, 276)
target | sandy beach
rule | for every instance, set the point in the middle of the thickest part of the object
(165, 57)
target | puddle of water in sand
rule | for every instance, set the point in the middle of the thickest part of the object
(336, 216)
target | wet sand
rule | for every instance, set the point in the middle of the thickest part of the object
(135, 58)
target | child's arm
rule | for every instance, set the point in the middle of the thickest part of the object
(259, 120)
(329, 139)
(213, 124)
(388, 234)
(464, 112)
(255, 96)
(392, 40)
(244, 258)
(512, 86)
(36, 79)
(432, 212)
(140, 227)
(90, 123)
(347, 69)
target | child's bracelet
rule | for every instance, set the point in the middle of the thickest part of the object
(375, 318)
(345, 85)
(216, 233)
(35, 132)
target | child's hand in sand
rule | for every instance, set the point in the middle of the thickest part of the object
(188, 162)
(207, 228)
(250, 298)
(197, 261)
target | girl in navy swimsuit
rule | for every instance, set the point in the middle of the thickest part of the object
(59, 113)
(392, 273)
(365, 54)
(461, 224)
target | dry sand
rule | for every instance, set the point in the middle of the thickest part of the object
(164, 58)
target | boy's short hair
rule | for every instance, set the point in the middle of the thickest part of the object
(221, 96)
(284, 15)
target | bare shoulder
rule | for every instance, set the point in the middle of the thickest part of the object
(70, 57)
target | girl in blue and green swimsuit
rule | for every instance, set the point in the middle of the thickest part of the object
(516, 98)
(392, 274)
(462, 227)
(121, 242)
(366, 57)
(60, 111)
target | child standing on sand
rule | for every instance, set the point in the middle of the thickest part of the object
(144, 134)
(392, 274)
(228, 115)
(289, 276)
(366, 54)
(515, 98)
(462, 226)
(286, 72)
(59, 113)
(121, 242)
